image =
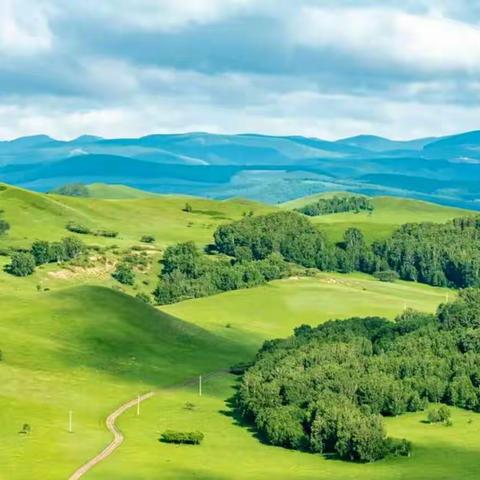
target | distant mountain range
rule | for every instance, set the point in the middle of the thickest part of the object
(268, 168)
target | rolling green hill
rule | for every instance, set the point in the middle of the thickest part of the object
(388, 214)
(40, 216)
(116, 192)
(70, 343)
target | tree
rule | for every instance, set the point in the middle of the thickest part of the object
(41, 252)
(72, 190)
(4, 227)
(73, 247)
(187, 208)
(22, 264)
(124, 274)
(184, 257)
(57, 252)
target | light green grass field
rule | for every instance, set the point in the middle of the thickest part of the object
(40, 216)
(80, 346)
(231, 451)
(116, 192)
(388, 214)
(88, 349)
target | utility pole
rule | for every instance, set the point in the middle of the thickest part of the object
(70, 421)
(200, 385)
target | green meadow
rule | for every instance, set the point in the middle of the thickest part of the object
(76, 343)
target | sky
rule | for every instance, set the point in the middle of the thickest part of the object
(325, 68)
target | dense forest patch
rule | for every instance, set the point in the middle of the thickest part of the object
(326, 389)
(337, 204)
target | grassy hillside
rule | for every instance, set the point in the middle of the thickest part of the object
(85, 349)
(268, 312)
(388, 214)
(40, 216)
(116, 192)
(70, 343)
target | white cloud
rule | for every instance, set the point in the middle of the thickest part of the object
(161, 15)
(24, 27)
(382, 37)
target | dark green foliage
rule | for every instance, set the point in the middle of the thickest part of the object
(46, 252)
(187, 273)
(386, 276)
(187, 208)
(398, 447)
(124, 274)
(72, 190)
(439, 415)
(187, 438)
(84, 230)
(337, 204)
(148, 239)
(287, 233)
(327, 388)
(144, 297)
(78, 228)
(22, 264)
(4, 226)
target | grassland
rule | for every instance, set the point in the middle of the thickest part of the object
(44, 217)
(70, 343)
(116, 192)
(388, 214)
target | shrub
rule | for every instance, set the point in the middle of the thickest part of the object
(398, 447)
(72, 190)
(22, 264)
(144, 297)
(148, 239)
(386, 275)
(106, 233)
(439, 415)
(124, 274)
(4, 226)
(187, 208)
(187, 438)
(78, 228)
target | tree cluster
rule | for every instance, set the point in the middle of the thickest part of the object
(326, 389)
(337, 204)
(41, 252)
(188, 273)
(4, 225)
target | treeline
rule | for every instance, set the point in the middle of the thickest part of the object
(23, 263)
(326, 389)
(437, 254)
(337, 204)
(188, 273)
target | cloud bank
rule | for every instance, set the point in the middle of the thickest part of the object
(320, 68)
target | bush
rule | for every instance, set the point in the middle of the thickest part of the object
(106, 233)
(22, 264)
(78, 228)
(4, 226)
(148, 239)
(124, 274)
(439, 415)
(398, 447)
(386, 275)
(187, 438)
(144, 297)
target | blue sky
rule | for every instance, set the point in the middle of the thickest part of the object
(319, 68)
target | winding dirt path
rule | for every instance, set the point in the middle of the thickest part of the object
(117, 436)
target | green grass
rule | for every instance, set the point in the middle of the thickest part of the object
(389, 213)
(40, 216)
(231, 451)
(83, 347)
(116, 192)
